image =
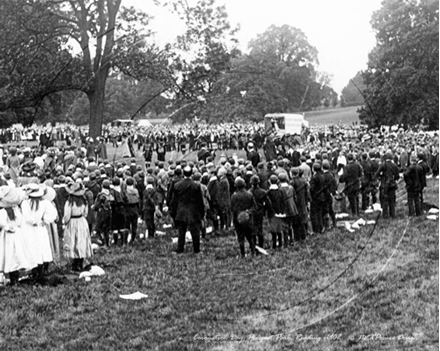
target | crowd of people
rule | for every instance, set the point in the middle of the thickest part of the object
(55, 200)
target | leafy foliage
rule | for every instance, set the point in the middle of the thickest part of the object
(403, 70)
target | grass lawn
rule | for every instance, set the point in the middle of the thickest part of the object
(344, 116)
(367, 290)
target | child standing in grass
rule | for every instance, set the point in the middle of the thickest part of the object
(276, 212)
(77, 242)
(150, 206)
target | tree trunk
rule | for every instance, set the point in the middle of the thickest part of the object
(96, 98)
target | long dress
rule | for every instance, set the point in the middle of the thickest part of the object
(35, 230)
(77, 242)
(13, 254)
(13, 163)
(52, 230)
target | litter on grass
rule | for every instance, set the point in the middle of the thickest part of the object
(377, 207)
(433, 211)
(368, 211)
(94, 271)
(135, 296)
(261, 250)
(160, 233)
(95, 246)
(360, 222)
(348, 226)
(209, 230)
(371, 222)
(432, 217)
(166, 226)
(188, 238)
(341, 215)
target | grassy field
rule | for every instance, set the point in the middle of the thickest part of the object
(374, 289)
(344, 116)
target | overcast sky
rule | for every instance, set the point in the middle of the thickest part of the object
(339, 29)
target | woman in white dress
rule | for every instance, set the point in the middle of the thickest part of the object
(77, 241)
(52, 229)
(37, 214)
(13, 254)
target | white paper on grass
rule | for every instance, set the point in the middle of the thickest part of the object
(432, 217)
(371, 222)
(377, 207)
(95, 246)
(360, 222)
(433, 211)
(368, 211)
(135, 296)
(95, 271)
(341, 215)
(355, 226)
(261, 250)
(209, 230)
(348, 226)
(165, 226)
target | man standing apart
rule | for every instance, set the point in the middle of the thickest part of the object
(187, 210)
(388, 174)
(413, 180)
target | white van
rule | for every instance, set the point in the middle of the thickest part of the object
(282, 123)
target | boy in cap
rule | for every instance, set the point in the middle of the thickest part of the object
(276, 212)
(260, 201)
(243, 206)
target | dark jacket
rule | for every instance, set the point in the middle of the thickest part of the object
(318, 187)
(187, 202)
(242, 200)
(260, 200)
(352, 176)
(302, 197)
(388, 174)
(275, 202)
(413, 178)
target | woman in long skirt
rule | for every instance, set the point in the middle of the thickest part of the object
(37, 213)
(13, 254)
(77, 242)
(52, 228)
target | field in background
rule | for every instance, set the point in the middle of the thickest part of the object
(345, 116)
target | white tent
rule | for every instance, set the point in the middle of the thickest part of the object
(143, 123)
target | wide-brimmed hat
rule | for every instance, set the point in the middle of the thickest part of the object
(10, 197)
(28, 167)
(49, 193)
(76, 189)
(35, 190)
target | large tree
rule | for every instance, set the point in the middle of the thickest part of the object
(403, 69)
(34, 59)
(277, 75)
(42, 46)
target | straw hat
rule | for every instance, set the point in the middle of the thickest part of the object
(10, 197)
(36, 191)
(49, 193)
(76, 189)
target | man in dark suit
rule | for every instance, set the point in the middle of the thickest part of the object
(353, 173)
(187, 210)
(388, 174)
